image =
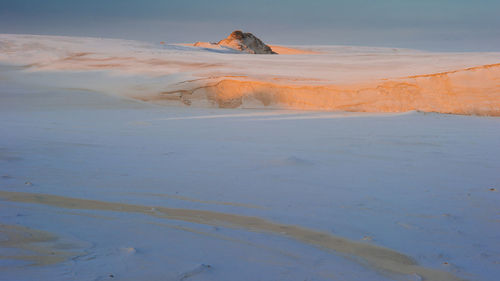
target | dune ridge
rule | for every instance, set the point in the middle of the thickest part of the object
(364, 79)
(470, 91)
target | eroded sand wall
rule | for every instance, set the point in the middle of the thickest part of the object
(471, 91)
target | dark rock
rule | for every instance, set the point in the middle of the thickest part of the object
(245, 42)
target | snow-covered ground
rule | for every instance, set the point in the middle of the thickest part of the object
(95, 185)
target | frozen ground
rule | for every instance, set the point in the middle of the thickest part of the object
(97, 186)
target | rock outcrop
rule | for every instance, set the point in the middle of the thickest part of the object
(241, 41)
(245, 42)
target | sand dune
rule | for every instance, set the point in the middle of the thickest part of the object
(330, 78)
(471, 91)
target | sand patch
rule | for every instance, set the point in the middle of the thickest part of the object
(211, 202)
(292, 51)
(383, 259)
(37, 247)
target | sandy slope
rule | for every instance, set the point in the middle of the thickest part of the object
(338, 78)
(471, 91)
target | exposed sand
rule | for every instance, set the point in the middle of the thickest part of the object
(281, 50)
(471, 91)
(41, 247)
(378, 257)
(339, 78)
(184, 198)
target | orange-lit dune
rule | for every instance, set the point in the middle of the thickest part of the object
(292, 51)
(336, 78)
(473, 90)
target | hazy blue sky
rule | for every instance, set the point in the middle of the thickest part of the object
(426, 24)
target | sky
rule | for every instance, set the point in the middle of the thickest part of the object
(439, 25)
